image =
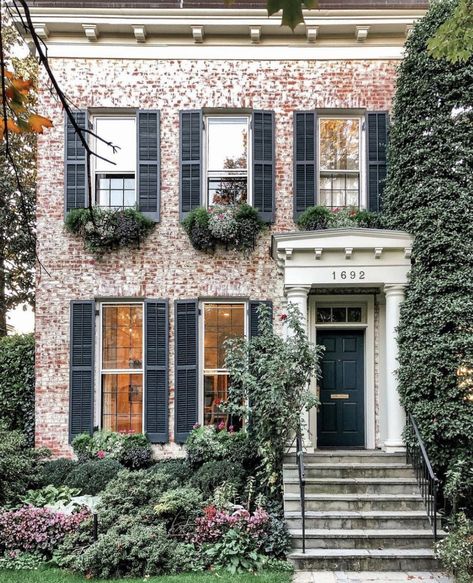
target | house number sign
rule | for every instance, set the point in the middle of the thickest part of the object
(352, 274)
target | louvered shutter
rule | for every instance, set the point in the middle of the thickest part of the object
(186, 364)
(253, 316)
(148, 163)
(81, 378)
(156, 370)
(305, 166)
(75, 168)
(377, 132)
(263, 164)
(190, 161)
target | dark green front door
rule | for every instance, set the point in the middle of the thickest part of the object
(340, 421)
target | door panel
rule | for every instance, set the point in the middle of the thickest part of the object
(340, 420)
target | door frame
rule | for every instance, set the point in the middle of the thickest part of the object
(367, 302)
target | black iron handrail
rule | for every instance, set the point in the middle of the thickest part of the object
(301, 473)
(416, 454)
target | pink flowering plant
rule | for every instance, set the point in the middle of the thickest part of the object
(215, 522)
(37, 530)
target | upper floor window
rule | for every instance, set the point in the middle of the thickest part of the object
(340, 161)
(115, 184)
(227, 159)
(121, 367)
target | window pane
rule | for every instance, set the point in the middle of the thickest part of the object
(115, 190)
(339, 314)
(122, 337)
(227, 143)
(339, 144)
(324, 315)
(121, 132)
(122, 402)
(215, 393)
(339, 190)
(228, 190)
(354, 314)
(222, 321)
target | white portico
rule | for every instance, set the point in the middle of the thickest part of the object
(348, 285)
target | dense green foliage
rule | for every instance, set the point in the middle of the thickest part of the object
(234, 226)
(454, 38)
(455, 551)
(17, 383)
(320, 217)
(92, 477)
(270, 376)
(429, 193)
(19, 466)
(105, 230)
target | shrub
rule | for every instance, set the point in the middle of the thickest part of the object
(36, 530)
(314, 218)
(55, 472)
(132, 450)
(455, 551)
(92, 477)
(235, 226)
(172, 472)
(179, 508)
(458, 486)
(17, 380)
(19, 466)
(213, 474)
(208, 443)
(138, 551)
(321, 217)
(105, 230)
(17, 561)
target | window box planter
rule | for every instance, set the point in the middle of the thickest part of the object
(320, 217)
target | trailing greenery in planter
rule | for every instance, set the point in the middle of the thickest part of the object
(17, 384)
(235, 226)
(429, 194)
(320, 217)
(105, 230)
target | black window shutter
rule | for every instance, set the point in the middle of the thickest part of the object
(190, 161)
(156, 370)
(263, 164)
(305, 166)
(148, 163)
(81, 378)
(377, 139)
(186, 353)
(75, 168)
(253, 316)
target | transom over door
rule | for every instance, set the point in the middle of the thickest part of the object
(340, 420)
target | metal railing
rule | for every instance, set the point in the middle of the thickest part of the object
(301, 473)
(416, 454)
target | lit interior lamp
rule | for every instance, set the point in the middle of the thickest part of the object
(465, 381)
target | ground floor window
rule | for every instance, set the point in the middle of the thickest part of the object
(121, 367)
(221, 322)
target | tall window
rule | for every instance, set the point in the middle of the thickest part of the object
(339, 162)
(221, 322)
(122, 367)
(115, 183)
(227, 159)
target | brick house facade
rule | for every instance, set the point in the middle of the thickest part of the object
(155, 56)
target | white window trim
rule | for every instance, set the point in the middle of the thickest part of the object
(202, 370)
(205, 154)
(98, 359)
(93, 162)
(362, 141)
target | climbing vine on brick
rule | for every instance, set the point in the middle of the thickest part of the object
(429, 193)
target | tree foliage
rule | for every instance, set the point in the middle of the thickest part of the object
(429, 192)
(453, 40)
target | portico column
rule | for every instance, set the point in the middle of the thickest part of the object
(395, 415)
(297, 296)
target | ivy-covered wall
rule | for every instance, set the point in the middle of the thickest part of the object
(429, 193)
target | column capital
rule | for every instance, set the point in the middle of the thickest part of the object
(297, 290)
(395, 289)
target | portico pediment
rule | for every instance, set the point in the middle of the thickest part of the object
(335, 257)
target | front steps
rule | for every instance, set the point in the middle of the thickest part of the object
(364, 512)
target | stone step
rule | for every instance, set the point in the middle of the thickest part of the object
(354, 502)
(373, 456)
(355, 470)
(363, 539)
(411, 519)
(353, 485)
(365, 560)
